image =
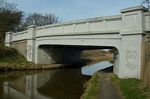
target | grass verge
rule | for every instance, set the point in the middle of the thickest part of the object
(11, 59)
(92, 88)
(132, 88)
(11, 56)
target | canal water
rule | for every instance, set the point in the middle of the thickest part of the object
(48, 84)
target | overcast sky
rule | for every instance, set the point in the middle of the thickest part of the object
(68, 10)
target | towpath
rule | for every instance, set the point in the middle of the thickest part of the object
(107, 88)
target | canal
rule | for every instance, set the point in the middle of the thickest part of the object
(48, 84)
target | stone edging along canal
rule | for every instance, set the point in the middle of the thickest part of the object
(6, 67)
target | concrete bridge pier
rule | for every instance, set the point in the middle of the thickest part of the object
(132, 36)
(130, 56)
(31, 43)
(58, 55)
(116, 61)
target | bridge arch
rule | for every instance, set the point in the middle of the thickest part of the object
(70, 54)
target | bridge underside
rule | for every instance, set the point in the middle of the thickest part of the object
(60, 49)
(58, 54)
(61, 54)
(65, 54)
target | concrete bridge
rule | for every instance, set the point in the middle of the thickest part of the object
(64, 42)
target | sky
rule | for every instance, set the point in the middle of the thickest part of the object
(68, 10)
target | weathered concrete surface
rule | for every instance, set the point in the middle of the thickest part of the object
(58, 55)
(21, 46)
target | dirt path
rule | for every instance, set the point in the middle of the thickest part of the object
(107, 89)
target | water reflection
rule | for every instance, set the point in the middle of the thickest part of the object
(54, 84)
(50, 84)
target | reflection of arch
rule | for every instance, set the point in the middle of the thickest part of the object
(29, 50)
(64, 84)
(26, 86)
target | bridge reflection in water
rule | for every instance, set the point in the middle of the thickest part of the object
(53, 84)
(48, 84)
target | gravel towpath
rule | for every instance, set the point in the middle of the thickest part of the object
(107, 89)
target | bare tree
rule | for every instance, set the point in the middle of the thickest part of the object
(146, 3)
(40, 19)
(10, 17)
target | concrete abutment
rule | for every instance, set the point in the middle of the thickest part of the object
(58, 55)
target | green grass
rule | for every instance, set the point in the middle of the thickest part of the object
(131, 88)
(11, 56)
(92, 88)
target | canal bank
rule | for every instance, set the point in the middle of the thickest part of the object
(11, 59)
(74, 85)
(100, 86)
(62, 83)
(106, 85)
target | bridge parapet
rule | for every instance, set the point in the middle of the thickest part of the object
(88, 26)
(133, 20)
(19, 36)
(8, 39)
